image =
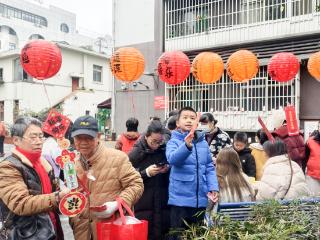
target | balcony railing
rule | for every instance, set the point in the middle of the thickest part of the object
(187, 18)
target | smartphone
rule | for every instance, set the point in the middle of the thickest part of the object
(161, 164)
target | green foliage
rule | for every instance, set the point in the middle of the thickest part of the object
(268, 221)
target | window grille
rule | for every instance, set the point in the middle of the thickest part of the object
(188, 17)
(258, 96)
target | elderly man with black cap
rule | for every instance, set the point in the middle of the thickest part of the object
(106, 173)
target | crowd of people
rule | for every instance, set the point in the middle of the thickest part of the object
(168, 173)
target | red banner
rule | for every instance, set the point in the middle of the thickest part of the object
(159, 102)
(291, 118)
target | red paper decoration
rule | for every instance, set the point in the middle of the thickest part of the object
(56, 124)
(242, 66)
(283, 67)
(41, 59)
(72, 204)
(314, 65)
(173, 67)
(66, 156)
(127, 64)
(207, 67)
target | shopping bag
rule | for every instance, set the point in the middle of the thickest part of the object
(119, 229)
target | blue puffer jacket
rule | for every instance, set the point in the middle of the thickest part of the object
(192, 173)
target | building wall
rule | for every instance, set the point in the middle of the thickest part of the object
(55, 17)
(142, 30)
(32, 95)
(134, 25)
(83, 102)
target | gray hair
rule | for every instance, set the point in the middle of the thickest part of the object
(22, 123)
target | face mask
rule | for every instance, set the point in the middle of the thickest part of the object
(203, 128)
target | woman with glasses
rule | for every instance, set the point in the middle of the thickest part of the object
(28, 194)
(148, 157)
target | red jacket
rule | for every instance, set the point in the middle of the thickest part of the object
(126, 141)
(295, 145)
(313, 165)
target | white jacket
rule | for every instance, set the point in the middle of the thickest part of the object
(275, 180)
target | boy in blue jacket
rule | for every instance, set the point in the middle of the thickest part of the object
(192, 175)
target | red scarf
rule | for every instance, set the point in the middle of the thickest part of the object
(34, 158)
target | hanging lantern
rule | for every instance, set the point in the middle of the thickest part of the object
(41, 59)
(173, 67)
(127, 64)
(283, 67)
(314, 65)
(242, 66)
(207, 67)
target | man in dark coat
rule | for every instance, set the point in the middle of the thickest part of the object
(148, 157)
(240, 142)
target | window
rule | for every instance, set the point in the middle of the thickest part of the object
(97, 73)
(1, 74)
(64, 28)
(12, 46)
(9, 11)
(19, 73)
(1, 110)
(16, 110)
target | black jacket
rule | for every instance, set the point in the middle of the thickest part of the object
(152, 206)
(248, 162)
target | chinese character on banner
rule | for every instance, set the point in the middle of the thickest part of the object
(65, 157)
(160, 102)
(292, 123)
(56, 124)
(72, 204)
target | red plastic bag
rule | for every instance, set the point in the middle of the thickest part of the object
(111, 231)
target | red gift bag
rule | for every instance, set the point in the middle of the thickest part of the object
(111, 231)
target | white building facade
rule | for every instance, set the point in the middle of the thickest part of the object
(84, 71)
(264, 27)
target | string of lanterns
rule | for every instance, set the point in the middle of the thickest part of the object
(42, 59)
(207, 67)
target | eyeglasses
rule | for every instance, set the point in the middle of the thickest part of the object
(34, 137)
(155, 142)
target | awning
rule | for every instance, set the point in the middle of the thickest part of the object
(105, 104)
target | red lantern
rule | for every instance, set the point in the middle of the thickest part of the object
(283, 67)
(41, 59)
(173, 67)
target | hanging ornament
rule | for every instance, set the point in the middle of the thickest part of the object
(65, 157)
(63, 143)
(56, 124)
(283, 67)
(207, 67)
(127, 64)
(242, 66)
(72, 204)
(41, 59)
(173, 67)
(314, 65)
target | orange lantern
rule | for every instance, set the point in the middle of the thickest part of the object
(207, 67)
(242, 66)
(314, 65)
(127, 64)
